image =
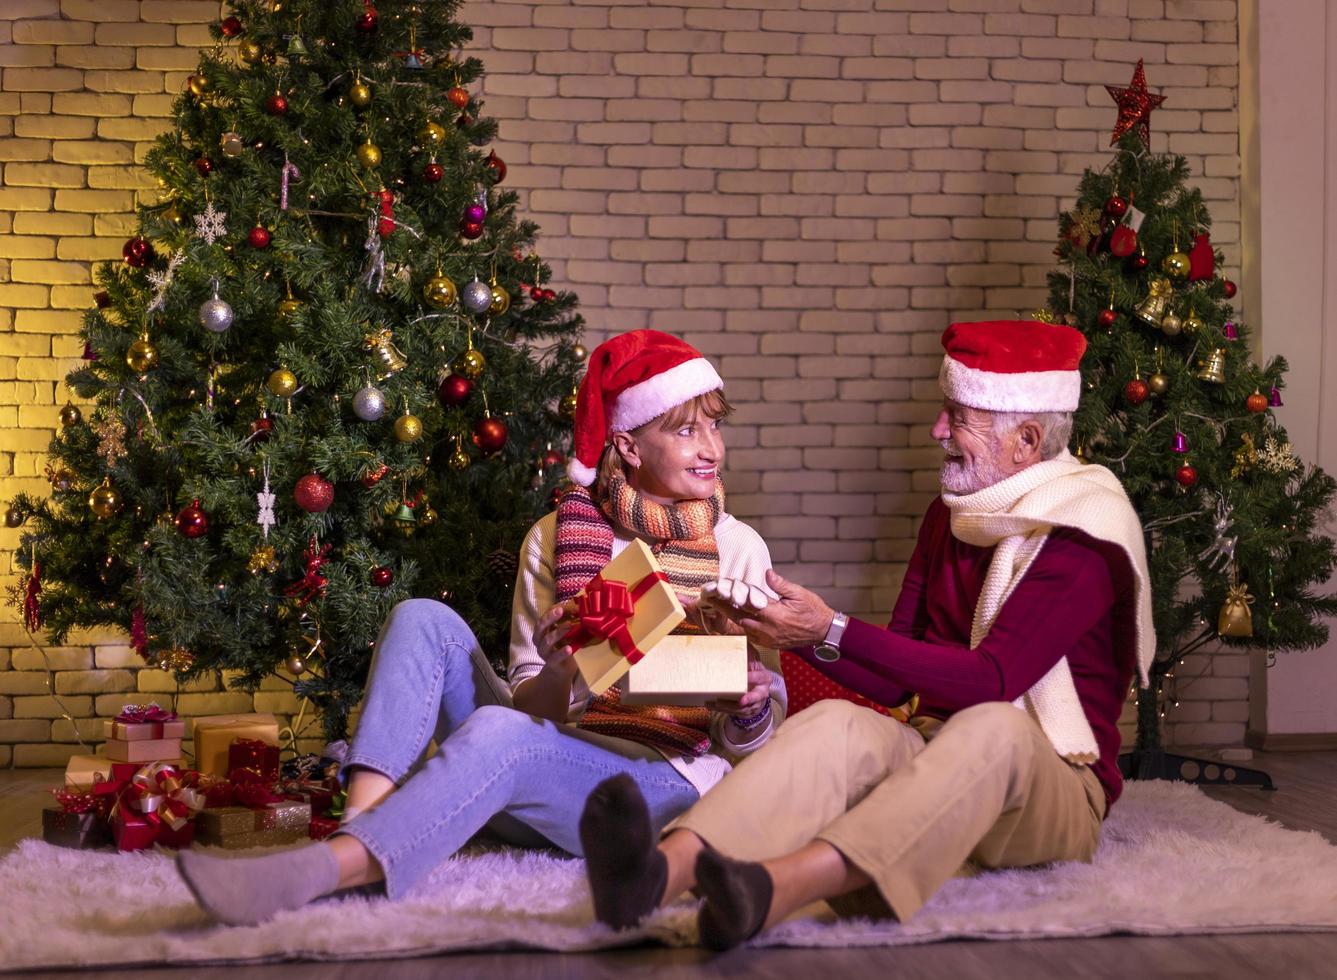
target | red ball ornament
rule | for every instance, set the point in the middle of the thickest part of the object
(1123, 241)
(459, 97)
(549, 295)
(552, 458)
(262, 428)
(138, 252)
(276, 105)
(471, 229)
(1116, 207)
(375, 476)
(489, 435)
(497, 165)
(1229, 288)
(1186, 476)
(536, 293)
(367, 21)
(1257, 402)
(258, 237)
(381, 577)
(1106, 318)
(433, 172)
(231, 26)
(313, 493)
(464, 121)
(1136, 391)
(454, 390)
(385, 227)
(192, 521)
(1138, 262)
(204, 166)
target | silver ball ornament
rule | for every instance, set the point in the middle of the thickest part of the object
(369, 404)
(215, 315)
(476, 296)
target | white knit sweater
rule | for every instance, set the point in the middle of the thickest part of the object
(743, 556)
(1015, 516)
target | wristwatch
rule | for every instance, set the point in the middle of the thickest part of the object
(828, 651)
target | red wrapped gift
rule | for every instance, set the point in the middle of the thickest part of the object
(156, 805)
(322, 827)
(250, 760)
(319, 795)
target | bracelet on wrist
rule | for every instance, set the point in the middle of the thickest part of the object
(753, 721)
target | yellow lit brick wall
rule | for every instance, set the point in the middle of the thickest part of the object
(809, 190)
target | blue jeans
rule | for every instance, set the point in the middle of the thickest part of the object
(429, 679)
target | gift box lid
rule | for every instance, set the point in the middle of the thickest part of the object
(657, 613)
(689, 670)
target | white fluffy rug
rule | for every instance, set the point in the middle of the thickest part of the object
(1172, 862)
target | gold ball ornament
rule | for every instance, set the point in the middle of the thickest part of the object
(579, 352)
(433, 134)
(459, 459)
(501, 301)
(249, 52)
(439, 292)
(1171, 324)
(1158, 383)
(1176, 265)
(282, 383)
(70, 415)
(105, 500)
(470, 364)
(295, 665)
(360, 94)
(428, 516)
(567, 406)
(1192, 324)
(288, 308)
(231, 145)
(199, 86)
(173, 216)
(142, 355)
(369, 155)
(13, 516)
(408, 428)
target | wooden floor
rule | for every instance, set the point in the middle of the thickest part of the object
(1304, 800)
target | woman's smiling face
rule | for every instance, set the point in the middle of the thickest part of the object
(679, 460)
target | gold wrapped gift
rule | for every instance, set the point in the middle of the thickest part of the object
(214, 734)
(622, 613)
(236, 827)
(688, 670)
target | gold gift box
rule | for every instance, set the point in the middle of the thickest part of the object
(657, 613)
(240, 826)
(213, 736)
(688, 670)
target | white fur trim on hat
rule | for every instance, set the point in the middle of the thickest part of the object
(1022, 391)
(656, 395)
(580, 473)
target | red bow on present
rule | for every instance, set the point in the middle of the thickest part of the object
(605, 610)
(158, 792)
(313, 584)
(138, 714)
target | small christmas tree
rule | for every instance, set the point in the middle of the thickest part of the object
(326, 377)
(1176, 407)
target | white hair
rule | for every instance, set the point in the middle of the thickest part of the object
(1057, 428)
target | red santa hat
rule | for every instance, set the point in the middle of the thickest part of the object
(1013, 366)
(632, 378)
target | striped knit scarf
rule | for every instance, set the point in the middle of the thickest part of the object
(683, 540)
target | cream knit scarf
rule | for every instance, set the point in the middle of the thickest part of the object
(1015, 516)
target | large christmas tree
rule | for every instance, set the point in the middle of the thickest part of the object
(1177, 407)
(328, 374)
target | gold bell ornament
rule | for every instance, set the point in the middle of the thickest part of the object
(382, 343)
(1152, 309)
(439, 292)
(1235, 619)
(1214, 370)
(404, 520)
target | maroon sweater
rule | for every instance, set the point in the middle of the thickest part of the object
(1075, 600)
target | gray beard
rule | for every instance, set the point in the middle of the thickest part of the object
(958, 479)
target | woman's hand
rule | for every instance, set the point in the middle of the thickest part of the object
(753, 700)
(552, 626)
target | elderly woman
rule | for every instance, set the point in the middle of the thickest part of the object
(522, 757)
(1023, 614)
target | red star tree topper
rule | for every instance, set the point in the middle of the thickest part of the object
(1135, 105)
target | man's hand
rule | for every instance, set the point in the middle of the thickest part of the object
(758, 691)
(798, 619)
(711, 619)
(552, 626)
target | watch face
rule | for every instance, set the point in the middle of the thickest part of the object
(826, 653)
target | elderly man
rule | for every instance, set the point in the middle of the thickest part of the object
(1024, 612)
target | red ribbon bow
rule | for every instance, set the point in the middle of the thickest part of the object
(605, 610)
(313, 584)
(138, 714)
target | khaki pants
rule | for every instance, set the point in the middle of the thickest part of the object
(906, 805)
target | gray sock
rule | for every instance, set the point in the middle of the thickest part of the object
(246, 890)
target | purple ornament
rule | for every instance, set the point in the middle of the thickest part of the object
(1180, 444)
(1230, 331)
(1274, 399)
(475, 213)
